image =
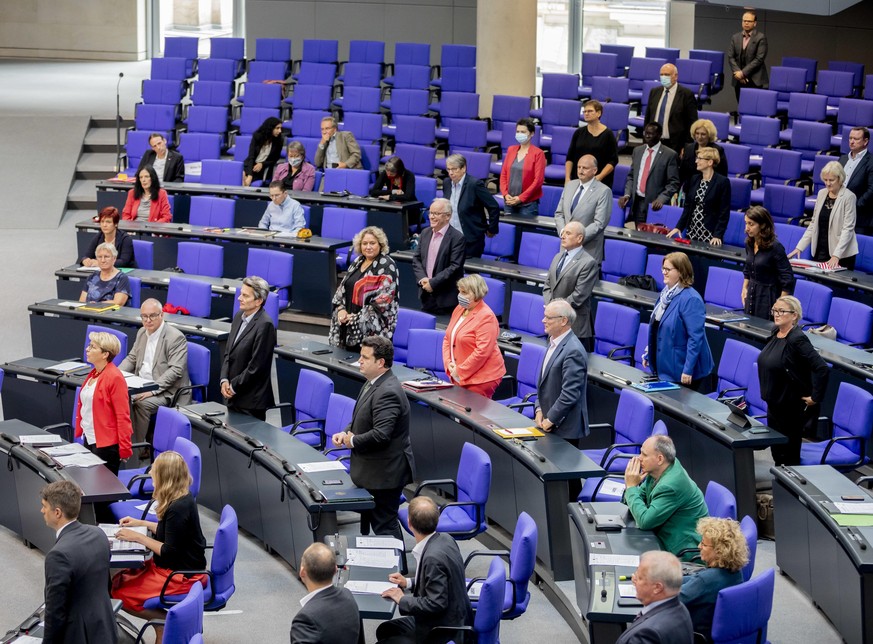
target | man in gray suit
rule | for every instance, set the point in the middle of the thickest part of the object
(561, 388)
(589, 202)
(747, 54)
(571, 277)
(653, 178)
(160, 353)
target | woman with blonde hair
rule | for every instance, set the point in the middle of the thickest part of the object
(705, 135)
(707, 202)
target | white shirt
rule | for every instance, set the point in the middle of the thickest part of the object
(160, 165)
(308, 597)
(416, 552)
(553, 345)
(331, 156)
(148, 359)
(86, 400)
(852, 163)
(654, 151)
(456, 195)
(670, 96)
(61, 529)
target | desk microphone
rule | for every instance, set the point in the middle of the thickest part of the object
(615, 378)
(525, 448)
(794, 475)
(10, 439)
(453, 403)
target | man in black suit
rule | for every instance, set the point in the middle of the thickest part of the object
(438, 261)
(747, 54)
(168, 164)
(653, 178)
(859, 178)
(248, 359)
(674, 107)
(663, 618)
(77, 604)
(378, 436)
(327, 615)
(439, 593)
(474, 210)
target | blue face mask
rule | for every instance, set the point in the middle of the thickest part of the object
(295, 161)
(666, 81)
(463, 301)
(521, 138)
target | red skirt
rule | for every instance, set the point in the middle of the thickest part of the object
(134, 586)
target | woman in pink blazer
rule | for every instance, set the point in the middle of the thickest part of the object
(523, 172)
(147, 194)
(470, 353)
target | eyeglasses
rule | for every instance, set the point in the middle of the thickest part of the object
(553, 317)
(667, 269)
(145, 317)
(436, 213)
(776, 311)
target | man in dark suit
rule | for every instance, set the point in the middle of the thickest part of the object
(747, 54)
(562, 386)
(379, 438)
(572, 276)
(438, 261)
(439, 593)
(248, 359)
(327, 615)
(653, 178)
(168, 164)
(663, 618)
(589, 202)
(674, 107)
(77, 605)
(474, 210)
(859, 178)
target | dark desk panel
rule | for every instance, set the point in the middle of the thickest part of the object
(370, 606)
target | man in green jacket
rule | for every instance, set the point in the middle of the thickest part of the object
(662, 497)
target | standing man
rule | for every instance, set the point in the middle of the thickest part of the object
(561, 406)
(474, 210)
(674, 107)
(337, 149)
(168, 164)
(439, 593)
(859, 178)
(747, 54)
(589, 202)
(658, 580)
(283, 213)
(77, 604)
(438, 261)
(248, 358)
(327, 615)
(160, 353)
(572, 277)
(378, 436)
(653, 179)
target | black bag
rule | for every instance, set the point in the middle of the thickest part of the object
(766, 529)
(645, 282)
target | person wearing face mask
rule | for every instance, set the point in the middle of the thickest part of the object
(471, 356)
(674, 107)
(297, 173)
(523, 172)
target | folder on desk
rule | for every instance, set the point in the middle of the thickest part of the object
(518, 432)
(426, 384)
(100, 307)
(652, 387)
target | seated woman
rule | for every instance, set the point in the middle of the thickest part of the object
(297, 173)
(110, 234)
(523, 172)
(471, 356)
(177, 542)
(108, 284)
(395, 182)
(264, 152)
(147, 201)
(707, 203)
(725, 552)
(704, 134)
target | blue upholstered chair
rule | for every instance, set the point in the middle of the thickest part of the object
(851, 425)
(743, 611)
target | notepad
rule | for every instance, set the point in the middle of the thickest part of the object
(379, 542)
(627, 590)
(40, 439)
(518, 432)
(320, 466)
(371, 558)
(651, 387)
(360, 587)
(854, 508)
(67, 367)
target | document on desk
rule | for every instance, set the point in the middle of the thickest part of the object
(68, 367)
(627, 590)
(854, 508)
(378, 542)
(359, 587)
(79, 460)
(320, 466)
(630, 561)
(41, 439)
(612, 487)
(65, 450)
(135, 382)
(118, 545)
(72, 305)
(27, 639)
(371, 558)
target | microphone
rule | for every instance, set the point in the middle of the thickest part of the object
(118, 123)
(452, 403)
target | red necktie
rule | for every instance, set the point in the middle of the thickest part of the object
(647, 166)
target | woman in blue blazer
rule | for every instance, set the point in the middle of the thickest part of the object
(678, 350)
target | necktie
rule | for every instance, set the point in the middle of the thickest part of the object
(432, 253)
(577, 197)
(663, 110)
(561, 265)
(647, 166)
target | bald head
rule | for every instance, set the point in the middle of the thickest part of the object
(586, 168)
(317, 565)
(573, 235)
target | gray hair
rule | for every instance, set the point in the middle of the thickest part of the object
(575, 226)
(456, 161)
(153, 302)
(664, 568)
(258, 285)
(665, 446)
(835, 170)
(444, 204)
(331, 119)
(563, 308)
(298, 147)
(108, 246)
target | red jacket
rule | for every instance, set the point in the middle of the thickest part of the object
(477, 356)
(111, 411)
(532, 176)
(158, 210)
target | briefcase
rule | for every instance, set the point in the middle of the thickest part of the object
(766, 529)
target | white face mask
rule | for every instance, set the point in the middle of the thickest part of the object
(666, 81)
(295, 161)
(521, 138)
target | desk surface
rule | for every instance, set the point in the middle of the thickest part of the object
(370, 606)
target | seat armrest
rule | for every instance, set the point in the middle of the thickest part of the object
(435, 483)
(503, 554)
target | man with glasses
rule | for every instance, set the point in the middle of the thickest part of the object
(160, 353)
(746, 56)
(474, 210)
(438, 261)
(337, 149)
(283, 214)
(589, 202)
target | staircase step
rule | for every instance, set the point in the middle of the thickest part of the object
(95, 165)
(83, 195)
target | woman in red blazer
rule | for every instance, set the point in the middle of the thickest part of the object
(147, 194)
(523, 172)
(470, 352)
(103, 408)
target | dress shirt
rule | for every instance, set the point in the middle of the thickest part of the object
(654, 152)
(416, 552)
(434, 249)
(287, 217)
(86, 401)
(852, 163)
(331, 156)
(670, 93)
(553, 345)
(309, 596)
(148, 359)
(649, 607)
(58, 533)
(456, 195)
(243, 325)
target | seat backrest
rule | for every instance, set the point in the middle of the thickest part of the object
(526, 312)
(557, 111)
(122, 338)
(425, 350)
(271, 306)
(339, 414)
(550, 200)
(853, 415)
(622, 258)
(460, 105)
(273, 49)
(852, 320)
(190, 294)
(162, 92)
(457, 56)
(640, 346)
(735, 235)
(458, 79)
(362, 74)
(342, 223)
(720, 501)
(367, 51)
(778, 164)
(489, 607)
(560, 86)
(693, 73)
(231, 48)
(749, 528)
(196, 146)
(864, 261)
(756, 102)
(412, 76)
(654, 263)
(361, 99)
(197, 258)
(784, 202)
(169, 69)
(760, 131)
(264, 70)
(417, 130)
(212, 211)
(598, 64)
(644, 69)
(156, 118)
(312, 395)
(316, 73)
(807, 107)
(217, 69)
(786, 80)
(320, 51)
(523, 555)
(720, 120)
(735, 366)
(495, 298)
(275, 266)
(221, 172)
(668, 53)
(412, 53)
(307, 123)
(724, 288)
(466, 135)
(185, 620)
(738, 157)
(418, 159)
(412, 102)
(198, 369)
(502, 245)
(624, 54)
(633, 418)
(191, 454)
(742, 611)
(854, 111)
(224, 551)
(741, 194)
(209, 119)
(530, 365)
(538, 250)
(508, 109)
(251, 118)
(181, 47)
(808, 65)
(409, 319)
(810, 138)
(365, 127)
(356, 182)
(426, 190)
(615, 325)
(170, 424)
(834, 84)
(262, 95)
(474, 479)
(143, 254)
(815, 299)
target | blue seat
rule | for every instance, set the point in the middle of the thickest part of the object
(271, 306)
(738, 159)
(716, 59)
(857, 71)
(836, 85)
(412, 53)
(641, 71)
(696, 75)
(211, 211)
(424, 351)
(169, 425)
(215, 69)
(184, 620)
(653, 269)
(169, 69)
(596, 64)
(641, 96)
(556, 113)
(156, 118)
(456, 79)
(741, 194)
(564, 86)
(851, 425)
(550, 200)
(750, 531)
(852, 320)
(634, 417)
(426, 191)
(615, 331)
(197, 146)
(320, 51)
(162, 92)
(495, 298)
(96, 328)
(526, 312)
(667, 216)
(486, 621)
(275, 266)
(530, 365)
(357, 182)
(316, 73)
(616, 116)
(309, 409)
(624, 54)
(810, 139)
(556, 169)
(506, 109)
(785, 203)
(198, 373)
(267, 70)
(456, 57)
(273, 50)
(808, 65)
(339, 414)
(367, 128)
(208, 119)
(735, 235)
(622, 258)
(418, 159)
(619, 180)
(754, 102)
(251, 118)
(720, 120)
(197, 258)
(192, 295)
(720, 501)
(367, 51)
(182, 47)
(538, 250)
(342, 223)
(814, 298)
(724, 288)
(408, 319)
(417, 130)
(305, 123)
(409, 76)
(502, 245)
(742, 611)
(221, 172)
(759, 132)
(853, 111)
(864, 260)
(804, 107)
(784, 81)
(361, 74)
(670, 54)
(359, 99)
(310, 97)
(455, 105)
(143, 254)
(136, 144)
(229, 49)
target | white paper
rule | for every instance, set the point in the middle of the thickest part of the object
(79, 460)
(64, 367)
(855, 508)
(65, 450)
(143, 506)
(368, 587)
(320, 466)
(88, 269)
(75, 305)
(125, 557)
(627, 590)
(475, 590)
(612, 487)
(135, 382)
(379, 542)
(40, 439)
(355, 363)
(27, 639)
(109, 529)
(631, 561)
(371, 558)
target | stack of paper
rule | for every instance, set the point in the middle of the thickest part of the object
(117, 545)
(379, 542)
(80, 459)
(371, 558)
(368, 587)
(41, 439)
(65, 450)
(320, 466)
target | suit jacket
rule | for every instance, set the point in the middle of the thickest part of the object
(562, 389)
(683, 112)
(576, 283)
(77, 605)
(170, 368)
(174, 169)
(688, 164)
(716, 205)
(159, 210)
(668, 623)
(861, 184)
(474, 204)
(477, 356)
(381, 451)
(670, 507)
(110, 410)
(447, 270)
(593, 211)
(347, 149)
(750, 60)
(663, 180)
(842, 241)
(682, 345)
(331, 617)
(439, 594)
(248, 361)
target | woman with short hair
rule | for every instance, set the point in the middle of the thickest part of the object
(110, 234)
(108, 284)
(523, 172)
(298, 173)
(705, 135)
(596, 139)
(707, 202)
(395, 182)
